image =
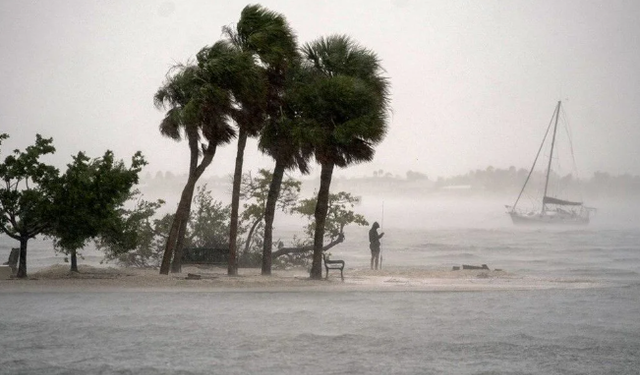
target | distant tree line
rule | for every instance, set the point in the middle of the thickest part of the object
(488, 180)
(599, 185)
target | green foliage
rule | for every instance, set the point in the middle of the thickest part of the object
(149, 236)
(24, 197)
(209, 222)
(85, 202)
(194, 109)
(88, 201)
(233, 82)
(339, 215)
(254, 192)
(208, 227)
(256, 189)
(267, 33)
(345, 98)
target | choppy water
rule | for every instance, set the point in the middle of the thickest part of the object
(557, 331)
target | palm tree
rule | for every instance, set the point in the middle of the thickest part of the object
(285, 139)
(347, 103)
(198, 113)
(237, 71)
(268, 37)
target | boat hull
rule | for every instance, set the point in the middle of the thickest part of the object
(548, 220)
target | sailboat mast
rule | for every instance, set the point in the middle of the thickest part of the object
(553, 142)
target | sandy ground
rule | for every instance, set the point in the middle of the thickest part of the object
(58, 278)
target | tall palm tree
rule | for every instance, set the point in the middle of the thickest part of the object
(347, 101)
(199, 114)
(267, 36)
(285, 139)
(238, 72)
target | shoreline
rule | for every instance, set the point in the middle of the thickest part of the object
(57, 278)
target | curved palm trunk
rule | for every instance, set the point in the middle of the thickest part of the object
(171, 243)
(176, 263)
(322, 206)
(178, 227)
(181, 218)
(22, 263)
(232, 270)
(269, 215)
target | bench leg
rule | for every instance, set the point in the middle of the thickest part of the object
(341, 275)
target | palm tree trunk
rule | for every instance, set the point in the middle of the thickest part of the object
(178, 219)
(184, 207)
(269, 215)
(171, 243)
(22, 263)
(176, 263)
(74, 260)
(322, 206)
(232, 270)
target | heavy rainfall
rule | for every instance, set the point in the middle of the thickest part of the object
(392, 186)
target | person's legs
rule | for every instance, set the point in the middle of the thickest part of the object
(375, 256)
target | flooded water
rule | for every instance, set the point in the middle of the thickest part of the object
(552, 331)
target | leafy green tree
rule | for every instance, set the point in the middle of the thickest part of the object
(150, 234)
(24, 197)
(88, 201)
(209, 223)
(199, 113)
(208, 227)
(339, 215)
(346, 104)
(255, 191)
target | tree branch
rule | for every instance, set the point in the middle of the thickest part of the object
(304, 249)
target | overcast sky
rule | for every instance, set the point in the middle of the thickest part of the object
(474, 83)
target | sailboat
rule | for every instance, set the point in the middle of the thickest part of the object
(550, 210)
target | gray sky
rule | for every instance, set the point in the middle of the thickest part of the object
(474, 83)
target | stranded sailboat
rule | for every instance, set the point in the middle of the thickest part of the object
(550, 210)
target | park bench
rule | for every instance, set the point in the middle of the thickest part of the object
(11, 264)
(218, 256)
(333, 265)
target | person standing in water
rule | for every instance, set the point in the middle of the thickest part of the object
(374, 244)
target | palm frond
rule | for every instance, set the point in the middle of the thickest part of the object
(170, 125)
(268, 34)
(348, 99)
